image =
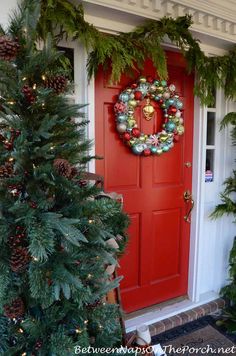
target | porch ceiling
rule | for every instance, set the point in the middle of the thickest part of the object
(214, 20)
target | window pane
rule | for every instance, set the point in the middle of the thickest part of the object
(209, 165)
(210, 128)
(69, 54)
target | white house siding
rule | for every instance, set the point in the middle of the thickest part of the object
(215, 25)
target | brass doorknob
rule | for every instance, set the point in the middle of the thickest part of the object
(188, 199)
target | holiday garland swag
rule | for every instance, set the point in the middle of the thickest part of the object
(152, 90)
(127, 51)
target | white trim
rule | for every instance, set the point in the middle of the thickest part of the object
(212, 19)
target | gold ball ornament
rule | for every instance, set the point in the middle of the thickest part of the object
(159, 151)
(180, 129)
(129, 90)
(142, 80)
(131, 123)
(160, 88)
(132, 103)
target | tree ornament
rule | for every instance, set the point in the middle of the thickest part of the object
(14, 310)
(8, 48)
(33, 205)
(135, 132)
(38, 345)
(57, 83)
(120, 107)
(127, 136)
(19, 259)
(167, 99)
(138, 95)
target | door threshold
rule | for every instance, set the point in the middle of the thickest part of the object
(173, 308)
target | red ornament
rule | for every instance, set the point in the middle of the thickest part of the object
(33, 205)
(8, 146)
(127, 136)
(161, 101)
(136, 132)
(172, 110)
(134, 86)
(147, 152)
(138, 95)
(120, 108)
(17, 133)
(149, 79)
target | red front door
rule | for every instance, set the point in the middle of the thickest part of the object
(155, 265)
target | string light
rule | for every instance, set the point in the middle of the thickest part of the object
(11, 102)
(52, 148)
(91, 221)
(11, 159)
(43, 77)
(86, 322)
(21, 331)
(100, 326)
(35, 259)
(34, 86)
(24, 354)
(89, 276)
(24, 79)
(78, 331)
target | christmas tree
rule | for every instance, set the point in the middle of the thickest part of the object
(56, 238)
(228, 207)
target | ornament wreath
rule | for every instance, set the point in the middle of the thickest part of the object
(158, 91)
(127, 51)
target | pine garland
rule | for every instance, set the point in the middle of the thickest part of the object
(126, 52)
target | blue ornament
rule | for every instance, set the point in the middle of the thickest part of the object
(170, 126)
(179, 104)
(164, 83)
(137, 149)
(157, 98)
(154, 149)
(170, 102)
(124, 97)
(121, 118)
(165, 148)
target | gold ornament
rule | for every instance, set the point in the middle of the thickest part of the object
(142, 80)
(132, 103)
(148, 110)
(131, 123)
(163, 137)
(180, 129)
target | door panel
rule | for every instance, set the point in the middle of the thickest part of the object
(155, 264)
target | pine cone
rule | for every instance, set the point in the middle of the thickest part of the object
(29, 94)
(8, 48)
(16, 240)
(6, 171)
(57, 83)
(63, 167)
(19, 259)
(14, 310)
(94, 305)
